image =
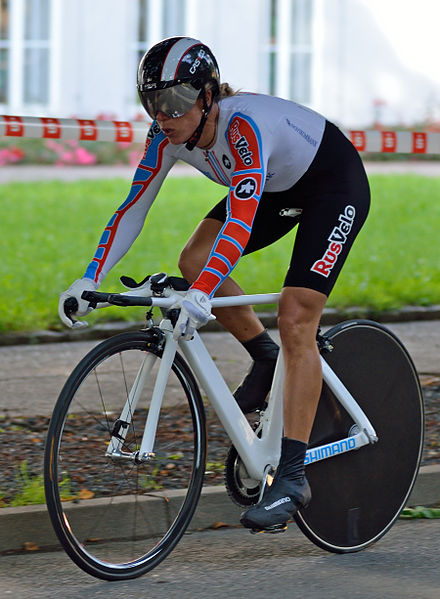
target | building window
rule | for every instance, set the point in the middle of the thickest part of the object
(4, 50)
(272, 49)
(36, 52)
(173, 17)
(288, 51)
(158, 19)
(24, 52)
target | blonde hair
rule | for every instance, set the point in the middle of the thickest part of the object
(226, 91)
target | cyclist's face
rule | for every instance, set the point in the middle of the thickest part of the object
(180, 129)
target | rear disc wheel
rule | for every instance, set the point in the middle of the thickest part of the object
(357, 496)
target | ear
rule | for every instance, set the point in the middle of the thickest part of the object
(208, 95)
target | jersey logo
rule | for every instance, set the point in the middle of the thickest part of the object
(244, 141)
(246, 188)
(152, 133)
(226, 162)
(242, 146)
(337, 239)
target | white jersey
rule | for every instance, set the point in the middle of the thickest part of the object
(287, 134)
(263, 144)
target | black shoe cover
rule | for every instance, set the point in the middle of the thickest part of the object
(252, 392)
(289, 491)
(279, 504)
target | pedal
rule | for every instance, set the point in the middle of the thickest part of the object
(272, 530)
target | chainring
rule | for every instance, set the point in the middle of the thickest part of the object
(241, 488)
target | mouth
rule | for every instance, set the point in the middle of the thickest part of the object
(168, 132)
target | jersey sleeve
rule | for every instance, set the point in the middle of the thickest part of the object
(244, 140)
(128, 220)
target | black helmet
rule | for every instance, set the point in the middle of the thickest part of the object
(173, 73)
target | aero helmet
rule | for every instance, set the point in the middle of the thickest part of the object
(173, 74)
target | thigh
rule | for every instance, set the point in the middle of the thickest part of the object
(201, 241)
(270, 223)
(328, 227)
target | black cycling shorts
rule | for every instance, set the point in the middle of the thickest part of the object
(331, 199)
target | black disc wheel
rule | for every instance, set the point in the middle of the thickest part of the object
(118, 515)
(357, 496)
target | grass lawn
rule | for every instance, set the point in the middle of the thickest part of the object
(50, 231)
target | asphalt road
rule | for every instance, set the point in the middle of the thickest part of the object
(231, 563)
(226, 563)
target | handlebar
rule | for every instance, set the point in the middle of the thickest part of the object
(122, 299)
(162, 291)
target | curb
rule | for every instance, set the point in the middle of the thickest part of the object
(330, 316)
(29, 526)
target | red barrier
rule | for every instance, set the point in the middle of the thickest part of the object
(77, 129)
(400, 142)
(405, 142)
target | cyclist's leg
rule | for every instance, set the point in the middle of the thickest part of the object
(268, 226)
(299, 314)
(241, 321)
(335, 205)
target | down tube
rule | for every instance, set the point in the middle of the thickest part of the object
(252, 451)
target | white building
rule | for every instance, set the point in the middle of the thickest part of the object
(355, 61)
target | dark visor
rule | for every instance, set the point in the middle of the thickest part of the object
(173, 101)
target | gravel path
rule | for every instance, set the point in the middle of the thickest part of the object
(23, 440)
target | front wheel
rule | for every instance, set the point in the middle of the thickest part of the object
(357, 496)
(119, 518)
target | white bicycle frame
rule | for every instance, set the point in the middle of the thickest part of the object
(261, 452)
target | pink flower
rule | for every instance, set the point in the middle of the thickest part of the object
(10, 155)
(134, 157)
(53, 145)
(84, 157)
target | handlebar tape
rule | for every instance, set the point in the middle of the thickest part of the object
(116, 299)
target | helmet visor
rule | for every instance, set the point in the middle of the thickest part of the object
(172, 101)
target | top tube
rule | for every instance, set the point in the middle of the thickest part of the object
(246, 300)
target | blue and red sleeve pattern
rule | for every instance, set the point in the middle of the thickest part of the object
(245, 191)
(147, 170)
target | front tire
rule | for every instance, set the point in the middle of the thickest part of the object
(119, 519)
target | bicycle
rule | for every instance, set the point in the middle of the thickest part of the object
(113, 418)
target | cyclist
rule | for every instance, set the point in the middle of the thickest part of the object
(284, 165)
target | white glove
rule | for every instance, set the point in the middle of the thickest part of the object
(75, 291)
(195, 311)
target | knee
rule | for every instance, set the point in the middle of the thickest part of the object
(186, 264)
(295, 328)
(298, 321)
(191, 263)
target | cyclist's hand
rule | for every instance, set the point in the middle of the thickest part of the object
(195, 311)
(81, 308)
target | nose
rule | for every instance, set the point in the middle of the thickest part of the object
(161, 116)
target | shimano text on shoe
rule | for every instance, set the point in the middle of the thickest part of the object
(277, 503)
